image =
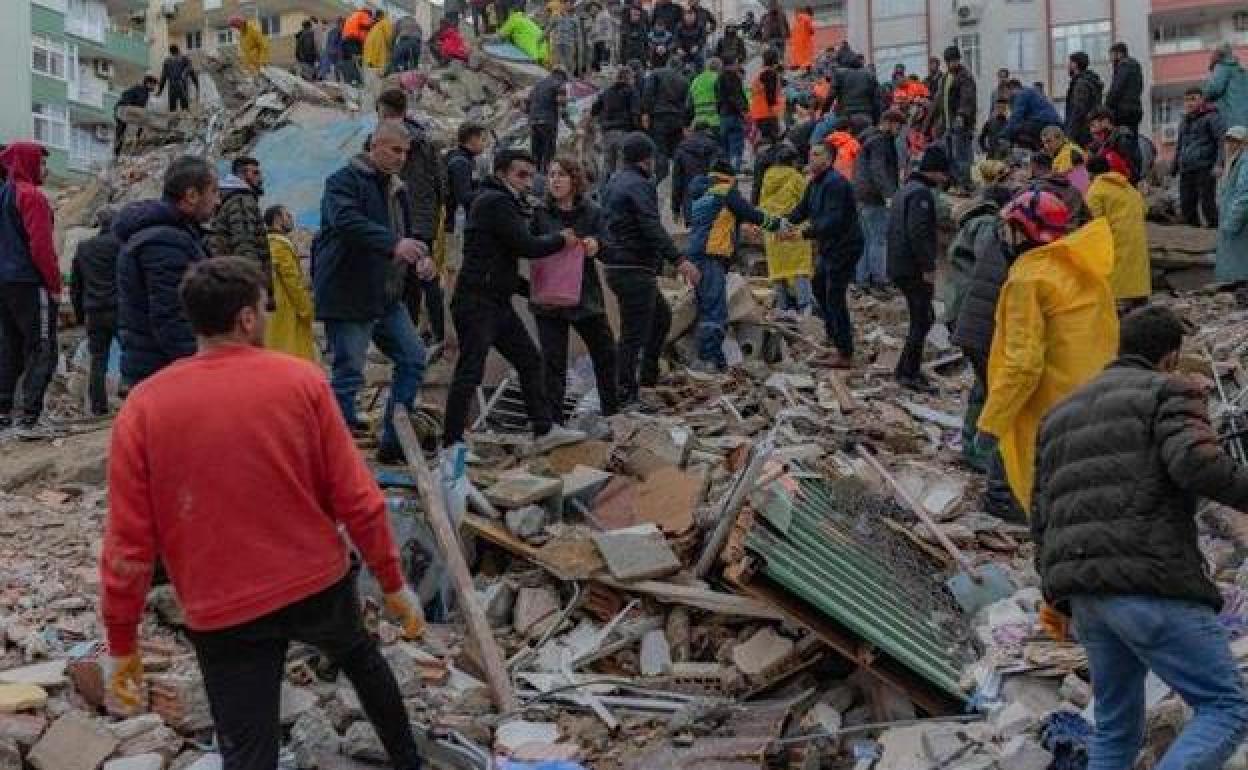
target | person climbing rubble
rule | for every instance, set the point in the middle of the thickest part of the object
(1121, 467)
(177, 72)
(1056, 327)
(277, 524)
(253, 46)
(521, 31)
(496, 237)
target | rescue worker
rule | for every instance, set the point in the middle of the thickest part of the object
(289, 328)
(790, 263)
(802, 39)
(377, 43)
(1113, 197)
(177, 72)
(253, 47)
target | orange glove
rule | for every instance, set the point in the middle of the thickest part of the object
(123, 679)
(404, 605)
(1054, 623)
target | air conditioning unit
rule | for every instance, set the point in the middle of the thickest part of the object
(1170, 133)
(104, 69)
(103, 133)
(968, 11)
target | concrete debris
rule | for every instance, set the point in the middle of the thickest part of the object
(637, 553)
(73, 742)
(139, 762)
(362, 742)
(765, 649)
(21, 697)
(656, 655)
(527, 522)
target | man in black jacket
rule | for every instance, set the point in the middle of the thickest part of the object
(177, 72)
(640, 246)
(306, 52)
(1125, 89)
(1195, 156)
(134, 96)
(93, 286)
(875, 184)
(498, 235)
(359, 263)
(160, 240)
(463, 182)
(618, 112)
(1121, 467)
(858, 91)
(912, 253)
(1082, 96)
(694, 157)
(548, 104)
(664, 98)
(953, 116)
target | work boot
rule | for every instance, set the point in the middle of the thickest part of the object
(556, 437)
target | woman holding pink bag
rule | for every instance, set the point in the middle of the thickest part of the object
(568, 208)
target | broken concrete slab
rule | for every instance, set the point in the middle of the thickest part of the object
(139, 762)
(21, 697)
(656, 655)
(761, 652)
(514, 734)
(25, 729)
(1024, 753)
(593, 454)
(296, 701)
(73, 742)
(637, 553)
(534, 604)
(47, 675)
(362, 742)
(520, 488)
(526, 522)
(583, 483)
(669, 497)
(313, 736)
(1015, 719)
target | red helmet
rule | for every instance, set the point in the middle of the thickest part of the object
(1042, 216)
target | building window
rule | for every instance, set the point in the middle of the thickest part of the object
(47, 57)
(912, 55)
(1167, 111)
(1178, 38)
(830, 12)
(225, 36)
(1093, 38)
(1020, 51)
(212, 5)
(1240, 20)
(271, 25)
(887, 9)
(51, 125)
(195, 40)
(969, 46)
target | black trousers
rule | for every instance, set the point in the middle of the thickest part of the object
(430, 292)
(918, 294)
(27, 347)
(1198, 193)
(666, 131)
(481, 324)
(243, 667)
(101, 328)
(595, 331)
(645, 319)
(830, 284)
(179, 98)
(602, 55)
(542, 143)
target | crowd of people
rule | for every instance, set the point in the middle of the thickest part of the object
(1047, 283)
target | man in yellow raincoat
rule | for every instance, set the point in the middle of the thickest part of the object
(1056, 328)
(377, 43)
(1112, 196)
(289, 329)
(253, 47)
(790, 263)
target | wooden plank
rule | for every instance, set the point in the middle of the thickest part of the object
(701, 598)
(453, 555)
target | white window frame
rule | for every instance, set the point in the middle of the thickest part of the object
(51, 116)
(1092, 37)
(1020, 52)
(271, 26)
(52, 50)
(194, 40)
(896, 9)
(913, 55)
(225, 36)
(972, 52)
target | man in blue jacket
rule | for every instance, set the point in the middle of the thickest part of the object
(1030, 113)
(360, 260)
(831, 216)
(160, 240)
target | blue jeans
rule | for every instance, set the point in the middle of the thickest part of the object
(961, 148)
(1181, 642)
(732, 138)
(873, 267)
(794, 294)
(712, 296)
(395, 336)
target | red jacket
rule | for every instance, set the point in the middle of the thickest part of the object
(236, 469)
(27, 249)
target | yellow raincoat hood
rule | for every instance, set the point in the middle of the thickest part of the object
(1112, 196)
(1056, 329)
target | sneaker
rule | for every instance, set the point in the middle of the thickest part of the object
(556, 437)
(391, 454)
(918, 384)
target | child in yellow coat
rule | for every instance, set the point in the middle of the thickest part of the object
(289, 329)
(790, 264)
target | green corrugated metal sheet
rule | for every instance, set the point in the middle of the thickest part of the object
(46, 90)
(824, 558)
(45, 21)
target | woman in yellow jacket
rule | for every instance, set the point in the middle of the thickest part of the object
(377, 43)
(1056, 328)
(289, 329)
(790, 264)
(253, 47)
(1112, 196)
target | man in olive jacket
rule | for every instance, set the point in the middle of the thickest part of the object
(1121, 467)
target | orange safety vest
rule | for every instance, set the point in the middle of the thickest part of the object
(759, 108)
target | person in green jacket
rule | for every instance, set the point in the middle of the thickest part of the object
(703, 97)
(522, 32)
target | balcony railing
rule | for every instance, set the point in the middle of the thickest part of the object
(88, 27)
(88, 90)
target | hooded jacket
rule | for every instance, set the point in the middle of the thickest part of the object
(238, 227)
(289, 329)
(1113, 197)
(94, 278)
(1030, 106)
(858, 93)
(425, 181)
(731, 49)
(1082, 96)
(1200, 141)
(498, 234)
(305, 46)
(1125, 91)
(462, 183)
(976, 224)
(634, 36)
(1056, 327)
(1068, 156)
(1232, 255)
(665, 92)
(703, 101)
(634, 228)
(158, 246)
(912, 242)
(954, 105)
(876, 170)
(364, 214)
(783, 187)
(715, 210)
(253, 48)
(587, 221)
(522, 32)
(1121, 466)
(1227, 87)
(27, 249)
(377, 44)
(618, 108)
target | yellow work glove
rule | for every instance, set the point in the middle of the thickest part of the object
(123, 678)
(404, 605)
(1054, 623)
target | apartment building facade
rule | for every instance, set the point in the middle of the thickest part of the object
(65, 64)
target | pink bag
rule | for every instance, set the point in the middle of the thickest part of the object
(555, 281)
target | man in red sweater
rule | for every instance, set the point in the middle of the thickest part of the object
(234, 467)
